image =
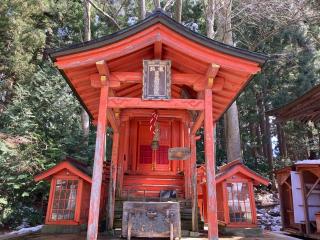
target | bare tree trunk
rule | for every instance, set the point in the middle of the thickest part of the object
(232, 133)
(262, 122)
(85, 122)
(86, 21)
(210, 16)
(254, 149)
(224, 34)
(269, 153)
(266, 133)
(142, 9)
(282, 142)
(157, 4)
(279, 136)
(178, 10)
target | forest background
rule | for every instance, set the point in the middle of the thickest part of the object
(41, 121)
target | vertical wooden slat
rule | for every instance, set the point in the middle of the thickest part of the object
(113, 169)
(225, 199)
(50, 201)
(77, 213)
(188, 162)
(282, 209)
(93, 220)
(121, 155)
(305, 204)
(193, 160)
(182, 144)
(210, 167)
(252, 203)
(205, 202)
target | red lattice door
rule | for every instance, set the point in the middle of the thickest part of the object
(153, 160)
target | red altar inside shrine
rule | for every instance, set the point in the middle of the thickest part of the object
(107, 76)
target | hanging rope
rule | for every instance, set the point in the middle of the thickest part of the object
(153, 122)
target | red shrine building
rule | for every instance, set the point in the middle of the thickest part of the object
(155, 84)
(235, 190)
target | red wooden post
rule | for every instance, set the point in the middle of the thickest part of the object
(93, 221)
(225, 201)
(210, 167)
(115, 147)
(205, 202)
(193, 161)
(252, 203)
(50, 202)
(188, 162)
(79, 201)
(121, 158)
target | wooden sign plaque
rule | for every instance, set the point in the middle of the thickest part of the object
(179, 153)
(156, 79)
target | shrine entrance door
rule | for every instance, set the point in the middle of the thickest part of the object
(148, 160)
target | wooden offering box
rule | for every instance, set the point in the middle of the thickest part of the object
(151, 219)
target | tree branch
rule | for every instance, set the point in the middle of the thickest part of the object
(168, 3)
(104, 13)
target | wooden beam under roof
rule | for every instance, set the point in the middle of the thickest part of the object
(188, 104)
(102, 68)
(136, 77)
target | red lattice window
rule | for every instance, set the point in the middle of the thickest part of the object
(239, 203)
(145, 154)
(162, 155)
(64, 201)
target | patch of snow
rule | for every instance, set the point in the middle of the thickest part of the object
(21, 232)
(268, 214)
(269, 218)
(192, 26)
(308, 161)
(267, 199)
(132, 20)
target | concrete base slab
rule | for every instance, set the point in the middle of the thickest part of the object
(243, 232)
(64, 229)
(194, 234)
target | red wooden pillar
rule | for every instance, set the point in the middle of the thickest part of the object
(193, 161)
(205, 202)
(120, 158)
(113, 179)
(210, 167)
(93, 221)
(186, 163)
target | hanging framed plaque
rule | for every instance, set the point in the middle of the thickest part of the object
(156, 79)
(179, 153)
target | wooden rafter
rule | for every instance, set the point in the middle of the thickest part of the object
(129, 90)
(211, 74)
(103, 68)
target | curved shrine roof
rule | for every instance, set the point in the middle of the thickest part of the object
(304, 108)
(157, 37)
